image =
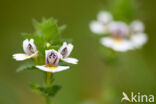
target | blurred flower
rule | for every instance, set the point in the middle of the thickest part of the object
(29, 49)
(123, 37)
(65, 51)
(52, 59)
(101, 25)
(117, 41)
(137, 35)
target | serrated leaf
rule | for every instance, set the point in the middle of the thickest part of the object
(60, 41)
(26, 66)
(34, 87)
(38, 40)
(56, 47)
(47, 28)
(28, 35)
(51, 91)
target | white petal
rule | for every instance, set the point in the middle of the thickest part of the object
(104, 17)
(47, 51)
(70, 48)
(137, 26)
(33, 45)
(25, 44)
(51, 50)
(31, 41)
(62, 47)
(21, 57)
(108, 42)
(52, 69)
(121, 46)
(70, 60)
(98, 28)
(64, 43)
(34, 54)
(138, 40)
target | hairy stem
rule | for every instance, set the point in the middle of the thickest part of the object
(48, 82)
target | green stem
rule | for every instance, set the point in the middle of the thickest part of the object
(47, 100)
(48, 82)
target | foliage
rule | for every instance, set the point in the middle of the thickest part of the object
(26, 66)
(47, 91)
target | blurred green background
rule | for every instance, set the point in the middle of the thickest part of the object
(93, 80)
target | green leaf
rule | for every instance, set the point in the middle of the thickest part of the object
(57, 43)
(29, 35)
(123, 10)
(47, 29)
(37, 39)
(26, 66)
(50, 91)
(34, 87)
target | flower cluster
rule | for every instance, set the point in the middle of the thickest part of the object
(48, 52)
(52, 57)
(41, 46)
(119, 36)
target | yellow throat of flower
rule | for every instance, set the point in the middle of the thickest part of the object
(51, 66)
(27, 56)
(117, 40)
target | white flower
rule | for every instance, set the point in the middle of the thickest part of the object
(65, 51)
(29, 49)
(137, 26)
(138, 40)
(120, 45)
(101, 25)
(52, 58)
(117, 41)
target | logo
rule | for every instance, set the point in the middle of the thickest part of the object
(141, 98)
